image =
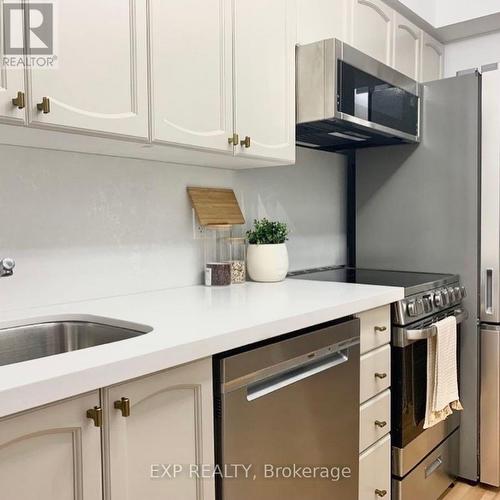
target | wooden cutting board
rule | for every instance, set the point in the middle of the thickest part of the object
(215, 207)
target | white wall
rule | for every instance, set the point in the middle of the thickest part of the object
(83, 226)
(471, 53)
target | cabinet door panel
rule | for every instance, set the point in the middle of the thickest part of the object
(432, 59)
(321, 19)
(264, 55)
(372, 22)
(407, 40)
(52, 453)
(191, 52)
(11, 77)
(100, 83)
(170, 422)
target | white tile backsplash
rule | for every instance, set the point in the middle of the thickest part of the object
(83, 226)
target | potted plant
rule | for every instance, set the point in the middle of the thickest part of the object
(267, 257)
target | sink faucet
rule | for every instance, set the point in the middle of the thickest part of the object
(7, 267)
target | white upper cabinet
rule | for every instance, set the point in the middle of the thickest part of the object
(432, 56)
(372, 29)
(52, 453)
(407, 41)
(192, 80)
(100, 83)
(264, 76)
(321, 19)
(11, 77)
(170, 421)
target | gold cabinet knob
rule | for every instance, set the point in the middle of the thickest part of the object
(380, 423)
(246, 142)
(380, 329)
(234, 140)
(20, 100)
(95, 414)
(44, 106)
(381, 375)
(381, 493)
(124, 406)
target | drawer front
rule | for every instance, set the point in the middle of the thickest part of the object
(375, 471)
(375, 374)
(374, 420)
(433, 476)
(375, 328)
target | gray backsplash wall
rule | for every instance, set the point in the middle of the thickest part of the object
(86, 226)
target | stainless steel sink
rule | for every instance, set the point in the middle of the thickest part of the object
(22, 343)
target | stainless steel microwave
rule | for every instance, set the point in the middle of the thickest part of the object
(346, 99)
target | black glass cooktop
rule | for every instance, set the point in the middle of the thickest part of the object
(411, 282)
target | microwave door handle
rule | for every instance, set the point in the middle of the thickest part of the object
(279, 381)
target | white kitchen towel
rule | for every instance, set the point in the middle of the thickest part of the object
(442, 373)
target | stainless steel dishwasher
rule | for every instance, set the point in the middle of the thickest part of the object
(289, 413)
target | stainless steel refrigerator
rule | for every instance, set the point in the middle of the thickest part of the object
(435, 207)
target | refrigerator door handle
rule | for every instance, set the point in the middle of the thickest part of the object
(488, 307)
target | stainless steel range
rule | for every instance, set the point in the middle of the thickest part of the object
(424, 462)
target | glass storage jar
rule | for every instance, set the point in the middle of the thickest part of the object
(237, 259)
(217, 267)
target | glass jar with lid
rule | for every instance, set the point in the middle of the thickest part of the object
(237, 259)
(217, 267)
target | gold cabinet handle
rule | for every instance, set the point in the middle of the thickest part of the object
(44, 106)
(19, 101)
(380, 329)
(380, 423)
(381, 375)
(246, 142)
(234, 140)
(95, 414)
(381, 493)
(124, 406)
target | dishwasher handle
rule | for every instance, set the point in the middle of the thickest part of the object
(279, 381)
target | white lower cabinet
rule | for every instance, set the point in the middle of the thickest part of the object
(170, 423)
(374, 420)
(375, 372)
(52, 453)
(165, 419)
(375, 471)
(375, 401)
(375, 328)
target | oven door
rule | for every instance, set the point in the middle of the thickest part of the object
(409, 377)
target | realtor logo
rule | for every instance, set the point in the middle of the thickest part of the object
(28, 35)
(40, 28)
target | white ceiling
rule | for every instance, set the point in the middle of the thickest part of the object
(454, 19)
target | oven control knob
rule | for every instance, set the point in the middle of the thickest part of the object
(446, 297)
(438, 299)
(451, 293)
(463, 292)
(427, 303)
(458, 293)
(419, 306)
(411, 308)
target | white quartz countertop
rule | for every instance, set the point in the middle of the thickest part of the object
(188, 324)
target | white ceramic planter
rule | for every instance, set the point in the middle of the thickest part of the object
(267, 263)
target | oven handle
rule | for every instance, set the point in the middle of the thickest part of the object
(431, 331)
(282, 380)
